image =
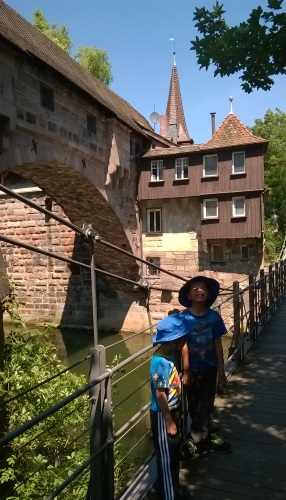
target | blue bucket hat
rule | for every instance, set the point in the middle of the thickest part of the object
(213, 288)
(171, 328)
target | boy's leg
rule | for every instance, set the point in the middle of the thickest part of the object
(167, 450)
(205, 388)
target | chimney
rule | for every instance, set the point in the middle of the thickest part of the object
(213, 122)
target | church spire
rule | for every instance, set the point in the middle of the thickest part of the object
(175, 110)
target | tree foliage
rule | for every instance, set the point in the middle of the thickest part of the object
(93, 59)
(255, 47)
(96, 62)
(273, 128)
(58, 34)
(40, 459)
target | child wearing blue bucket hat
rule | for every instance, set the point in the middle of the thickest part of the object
(165, 403)
(202, 357)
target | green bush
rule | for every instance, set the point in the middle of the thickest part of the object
(43, 457)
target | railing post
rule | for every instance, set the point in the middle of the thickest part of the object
(270, 291)
(276, 289)
(262, 298)
(107, 435)
(236, 317)
(95, 419)
(284, 279)
(252, 291)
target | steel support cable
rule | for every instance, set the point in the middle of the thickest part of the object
(79, 470)
(130, 337)
(48, 428)
(132, 422)
(31, 204)
(117, 435)
(58, 256)
(50, 411)
(133, 448)
(54, 255)
(131, 371)
(129, 395)
(15, 488)
(82, 232)
(139, 470)
(24, 393)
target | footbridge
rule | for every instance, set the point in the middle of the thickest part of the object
(108, 454)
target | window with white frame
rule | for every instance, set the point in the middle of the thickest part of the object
(151, 270)
(154, 220)
(244, 252)
(238, 162)
(156, 170)
(217, 253)
(210, 208)
(182, 165)
(238, 206)
(210, 168)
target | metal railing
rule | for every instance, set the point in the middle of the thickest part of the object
(250, 309)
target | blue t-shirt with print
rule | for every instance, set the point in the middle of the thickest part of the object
(164, 375)
(203, 330)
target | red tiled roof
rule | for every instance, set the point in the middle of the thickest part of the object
(175, 110)
(173, 150)
(23, 35)
(232, 132)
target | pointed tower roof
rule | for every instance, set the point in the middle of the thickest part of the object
(232, 132)
(175, 112)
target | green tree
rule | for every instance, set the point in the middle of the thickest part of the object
(93, 59)
(58, 34)
(96, 62)
(256, 47)
(273, 128)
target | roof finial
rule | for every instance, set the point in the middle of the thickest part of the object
(230, 100)
(174, 51)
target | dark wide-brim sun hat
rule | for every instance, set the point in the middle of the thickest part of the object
(213, 288)
(171, 328)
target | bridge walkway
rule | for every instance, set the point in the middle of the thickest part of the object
(252, 417)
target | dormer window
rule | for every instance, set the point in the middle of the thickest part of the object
(238, 162)
(210, 168)
(182, 165)
(156, 170)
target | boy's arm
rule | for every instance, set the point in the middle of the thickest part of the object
(163, 403)
(219, 354)
(187, 377)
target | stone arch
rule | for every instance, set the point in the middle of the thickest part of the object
(77, 184)
(78, 187)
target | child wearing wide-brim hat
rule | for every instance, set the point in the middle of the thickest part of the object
(165, 403)
(202, 357)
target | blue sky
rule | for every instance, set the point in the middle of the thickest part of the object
(136, 35)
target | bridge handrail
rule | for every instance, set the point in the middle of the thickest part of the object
(252, 307)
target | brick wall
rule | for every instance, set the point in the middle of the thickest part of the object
(51, 290)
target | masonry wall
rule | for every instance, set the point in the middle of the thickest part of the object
(49, 290)
(182, 251)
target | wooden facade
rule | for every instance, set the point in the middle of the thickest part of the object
(223, 187)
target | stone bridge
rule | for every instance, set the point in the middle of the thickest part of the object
(67, 133)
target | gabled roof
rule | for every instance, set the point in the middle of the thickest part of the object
(25, 37)
(175, 111)
(232, 132)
